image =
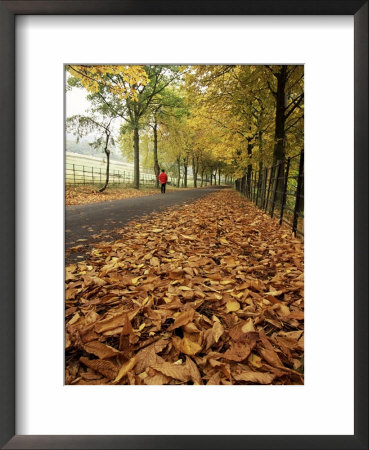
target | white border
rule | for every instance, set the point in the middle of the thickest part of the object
(325, 404)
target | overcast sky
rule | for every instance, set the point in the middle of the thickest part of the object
(77, 103)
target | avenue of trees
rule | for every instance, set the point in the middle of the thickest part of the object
(216, 120)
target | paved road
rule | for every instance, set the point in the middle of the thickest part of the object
(86, 224)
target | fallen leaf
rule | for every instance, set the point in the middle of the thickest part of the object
(174, 371)
(232, 306)
(187, 346)
(101, 350)
(255, 360)
(106, 368)
(125, 369)
(183, 319)
(238, 351)
(255, 377)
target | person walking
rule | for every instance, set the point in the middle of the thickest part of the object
(163, 178)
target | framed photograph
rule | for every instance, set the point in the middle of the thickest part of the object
(207, 300)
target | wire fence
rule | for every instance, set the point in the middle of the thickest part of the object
(79, 175)
(278, 190)
(76, 174)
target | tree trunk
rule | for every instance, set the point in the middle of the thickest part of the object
(107, 153)
(211, 178)
(136, 160)
(179, 172)
(249, 167)
(156, 163)
(279, 137)
(185, 173)
(219, 176)
(249, 174)
(195, 169)
(261, 145)
(202, 177)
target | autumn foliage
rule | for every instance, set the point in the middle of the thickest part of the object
(84, 195)
(207, 293)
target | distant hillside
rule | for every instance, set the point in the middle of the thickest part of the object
(83, 148)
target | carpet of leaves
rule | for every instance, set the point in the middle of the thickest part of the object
(208, 293)
(82, 195)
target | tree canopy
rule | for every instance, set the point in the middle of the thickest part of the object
(215, 119)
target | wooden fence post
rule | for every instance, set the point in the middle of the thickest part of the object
(258, 188)
(84, 180)
(298, 193)
(74, 175)
(257, 175)
(251, 183)
(269, 185)
(255, 187)
(275, 186)
(284, 190)
(265, 179)
(93, 181)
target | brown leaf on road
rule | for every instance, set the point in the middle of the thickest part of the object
(127, 327)
(154, 261)
(193, 371)
(191, 328)
(178, 372)
(187, 345)
(148, 355)
(232, 305)
(239, 331)
(271, 357)
(111, 323)
(157, 380)
(183, 319)
(126, 367)
(214, 379)
(299, 315)
(238, 351)
(254, 377)
(213, 335)
(101, 350)
(106, 368)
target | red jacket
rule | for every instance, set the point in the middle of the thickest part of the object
(163, 177)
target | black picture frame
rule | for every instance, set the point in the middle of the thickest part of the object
(8, 12)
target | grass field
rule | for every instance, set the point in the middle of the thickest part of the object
(91, 170)
(82, 169)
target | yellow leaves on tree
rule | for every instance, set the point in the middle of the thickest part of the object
(121, 81)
